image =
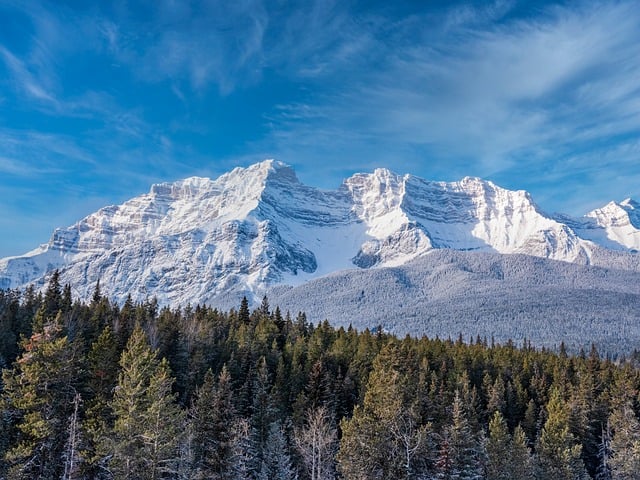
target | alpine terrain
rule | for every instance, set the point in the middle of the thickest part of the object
(258, 228)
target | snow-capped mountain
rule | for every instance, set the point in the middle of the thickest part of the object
(616, 225)
(199, 240)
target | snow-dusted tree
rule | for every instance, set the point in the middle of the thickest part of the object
(276, 463)
(460, 451)
(604, 454)
(242, 451)
(521, 460)
(39, 393)
(317, 443)
(384, 438)
(72, 456)
(625, 444)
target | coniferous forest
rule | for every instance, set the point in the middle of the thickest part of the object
(101, 391)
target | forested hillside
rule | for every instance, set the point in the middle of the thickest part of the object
(101, 391)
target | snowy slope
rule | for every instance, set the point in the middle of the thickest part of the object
(200, 240)
(505, 297)
(619, 223)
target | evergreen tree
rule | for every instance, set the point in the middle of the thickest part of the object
(384, 438)
(558, 452)
(276, 463)
(39, 393)
(604, 455)
(242, 451)
(508, 457)
(103, 367)
(144, 441)
(521, 460)
(212, 418)
(263, 412)
(461, 453)
(53, 296)
(498, 449)
(625, 444)
(244, 314)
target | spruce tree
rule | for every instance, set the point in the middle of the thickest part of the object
(144, 440)
(521, 460)
(276, 463)
(461, 459)
(508, 457)
(39, 393)
(558, 452)
(625, 444)
(498, 449)
(384, 438)
(212, 418)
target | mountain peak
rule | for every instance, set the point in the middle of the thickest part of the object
(260, 173)
(631, 203)
(196, 239)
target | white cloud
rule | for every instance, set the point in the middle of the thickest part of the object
(495, 92)
(24, 80)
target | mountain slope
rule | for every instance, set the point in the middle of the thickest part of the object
(204, 241)
(447, 293)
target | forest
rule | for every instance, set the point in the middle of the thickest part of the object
(98, 390)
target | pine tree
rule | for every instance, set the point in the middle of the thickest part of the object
(103, 368)
(212, 418)
(625, 444)
(144, 442)
(276, 463)
(508, 457)
(461, 459)
(39, 393)
(53, 296)
(242, 451)
(604, 455)
(522, 466)
(498, 449)
(558, 452)
(263, 411)
(384, 438)
(243, 313)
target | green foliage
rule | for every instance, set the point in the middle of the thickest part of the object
(559, 454)
(144, 441)
(39, 393)
(101, 391)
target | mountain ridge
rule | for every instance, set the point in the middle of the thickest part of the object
(197, 239)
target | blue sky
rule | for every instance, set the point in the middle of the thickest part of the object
(100, 99)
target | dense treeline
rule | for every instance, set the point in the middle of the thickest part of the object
(137, 392)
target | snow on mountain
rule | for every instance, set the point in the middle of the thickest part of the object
(494, 296)
(616, 225)
(198, 240)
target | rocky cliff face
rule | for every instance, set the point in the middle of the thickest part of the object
(197, 239)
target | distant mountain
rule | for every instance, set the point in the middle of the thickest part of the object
(211, 241)
(448, 293)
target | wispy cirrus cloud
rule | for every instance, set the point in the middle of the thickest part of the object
(201, 43)
(24, 80)
(484, 97)
(112, 96)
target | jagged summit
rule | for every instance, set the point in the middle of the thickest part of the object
(200, 240)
